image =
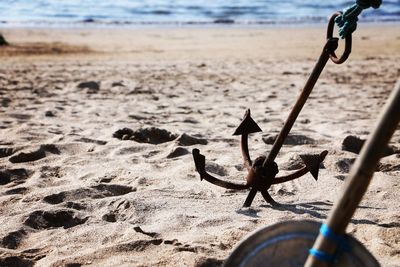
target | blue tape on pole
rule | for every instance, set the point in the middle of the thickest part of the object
(339, 240)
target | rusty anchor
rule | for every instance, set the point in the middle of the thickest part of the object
(262, 172)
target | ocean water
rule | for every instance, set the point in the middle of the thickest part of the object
(181, 12)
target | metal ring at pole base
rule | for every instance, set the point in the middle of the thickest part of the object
(348, 41)
(287, 244)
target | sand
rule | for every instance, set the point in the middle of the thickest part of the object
(75, 191)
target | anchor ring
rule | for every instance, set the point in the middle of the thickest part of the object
(329, 35)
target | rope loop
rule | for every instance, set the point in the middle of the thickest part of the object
(347, 22)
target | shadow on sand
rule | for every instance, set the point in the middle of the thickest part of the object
(316, 209)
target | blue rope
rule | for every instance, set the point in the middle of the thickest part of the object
(340, 241)
(347, 22)
(322, 256)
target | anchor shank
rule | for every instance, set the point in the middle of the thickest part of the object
(330, 45)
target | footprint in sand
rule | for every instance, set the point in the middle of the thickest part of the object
(92, 87)
(117, 210)
(123, 134)
(177, 152)
(13, 239)
(5, 101)
(216, 169)
(138, 229)
(49, 113)
(5, 152)
(293, 163)
(34, 155)
(16, 261)
(155, 135)
(54, 219)
(344, 165)
(388, 167)
(15, 191)
(208, 262)
(75, 205)
(292, 139)
(20, 117)
(110, 217)
(354, 144)
(16, 176)
(187, 140)
(94, 192)
(137, 245)
(151, 135)
(92, 141)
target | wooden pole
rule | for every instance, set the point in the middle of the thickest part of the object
(360, 176)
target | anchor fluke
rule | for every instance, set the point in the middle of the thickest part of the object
(312, 162)
(199, 162)
(247, 126)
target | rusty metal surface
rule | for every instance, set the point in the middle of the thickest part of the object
(348, 41)
(246, 127)
(262, 172)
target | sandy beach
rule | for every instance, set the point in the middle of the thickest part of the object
(76, 191)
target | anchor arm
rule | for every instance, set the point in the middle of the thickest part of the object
(200, 163)
(250, 198)
(268, 197)
(311, 163)
(292, 176)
